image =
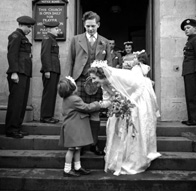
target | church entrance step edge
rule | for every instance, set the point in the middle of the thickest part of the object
(53, 180)
(163, 128)
(50, 142)
(56, 159)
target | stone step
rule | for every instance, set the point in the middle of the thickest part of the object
(165, 129)
(173, 129)
(50, 142)
(56, 159)
(53, 180)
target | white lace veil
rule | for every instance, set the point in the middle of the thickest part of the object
(127, 82)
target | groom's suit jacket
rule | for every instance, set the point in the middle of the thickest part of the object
(78, 54)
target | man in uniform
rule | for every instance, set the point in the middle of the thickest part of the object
(18, 75)
(50, 72)
(116, 56)
(84, 49)
(189, 69)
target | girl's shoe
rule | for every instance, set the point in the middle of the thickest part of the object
(83, 171)
(71, 173)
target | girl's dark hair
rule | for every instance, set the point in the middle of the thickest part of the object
(65, 88)
(90, 15)
(129, 43)
(143, 58)
(97, 71)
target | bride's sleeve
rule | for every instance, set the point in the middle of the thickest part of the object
(105, 103)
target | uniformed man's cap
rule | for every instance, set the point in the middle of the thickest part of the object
(51, 24)
(26, 20)
(191, 22)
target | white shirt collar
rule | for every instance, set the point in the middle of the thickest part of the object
(88, 35)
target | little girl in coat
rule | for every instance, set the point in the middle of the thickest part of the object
(75, 131)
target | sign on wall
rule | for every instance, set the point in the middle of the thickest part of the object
(50, 10)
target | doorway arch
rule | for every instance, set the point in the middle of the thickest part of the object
(122, 21)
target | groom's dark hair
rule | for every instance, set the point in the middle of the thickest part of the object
(90, 15)
(97, 71)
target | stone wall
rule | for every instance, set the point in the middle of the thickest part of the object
(169, 43)
(10, 10)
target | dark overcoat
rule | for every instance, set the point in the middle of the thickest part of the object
(20, 61)
(75, 130)
(19, 54)
(50, 54)
(189, 74)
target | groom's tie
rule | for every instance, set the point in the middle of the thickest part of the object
(92, 40)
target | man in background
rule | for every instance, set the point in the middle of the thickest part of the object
(116, 56)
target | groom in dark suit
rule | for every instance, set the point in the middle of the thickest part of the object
(84, 49)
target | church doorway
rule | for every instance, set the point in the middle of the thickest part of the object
(122, 20)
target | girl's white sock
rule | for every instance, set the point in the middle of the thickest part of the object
(67, 167)
(77, 165)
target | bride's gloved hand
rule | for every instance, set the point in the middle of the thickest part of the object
(105, 104)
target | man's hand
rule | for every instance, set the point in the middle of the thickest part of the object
(15, 77)
(47, 75)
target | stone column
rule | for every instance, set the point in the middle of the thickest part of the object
(169, 41)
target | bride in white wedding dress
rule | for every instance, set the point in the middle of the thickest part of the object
(129, 150)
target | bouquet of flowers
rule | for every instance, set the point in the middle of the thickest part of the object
(121, 108)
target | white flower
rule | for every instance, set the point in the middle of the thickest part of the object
(71, 79)
(99, 63)
(139, 52)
